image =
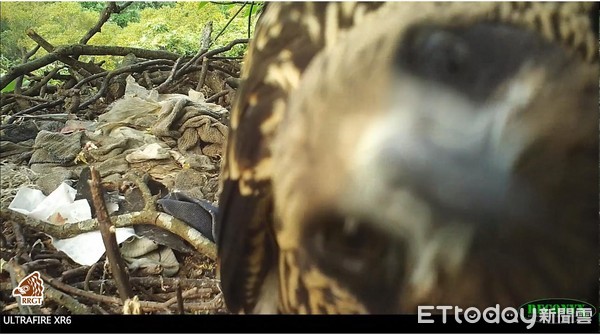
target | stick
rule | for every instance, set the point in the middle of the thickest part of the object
(179, 300)
(161, 88)
(117, 264)
(216, 96)
(110, 8)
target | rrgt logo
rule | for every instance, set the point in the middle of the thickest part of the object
(30, 289)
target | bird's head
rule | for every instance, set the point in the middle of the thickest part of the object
(442, 159)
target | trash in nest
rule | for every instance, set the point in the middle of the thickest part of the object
(197, 213)
(60, 207)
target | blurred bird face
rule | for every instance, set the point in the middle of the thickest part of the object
(456, 167)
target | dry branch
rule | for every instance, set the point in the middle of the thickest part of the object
(73, 63)
(26, 57)
(38, 87)
(230, 20)
(40, 264)
(167, 283)
(216, 96)
(161, 88)
(180, 309)
(214, 304)
(117, 264)
(110, 8)
(80, 49)
(131, 68)
(210, 54)
(25, 97)
(147, 216)
(204, 45)
(50, 104)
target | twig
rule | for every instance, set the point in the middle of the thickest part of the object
(31, 53)
(215, 303)
(20, 240)
(71, 290)
(26, 57)
(51, 117)
(25, 97)
(76, 65)
(40, 264)
(67, 301)
(186, 68)
(227, 47)
(50, 104)
(90, 78)
(88, 275)
(179, 300)
(218, 67)
(205, 36)
(216, 96)
(206, 32)
(39, 40)
(80, 49)
(73, 273)
(152, 217)
(117, 264)
(230, 20)
(228, 57)
(250, 19)
(39, 86)
(131, 68)
(56, 255)
(9, 307)
(184, 283)
(228, 2)
(203, 74)
(110, 8)
(6, 100)
(161, 88)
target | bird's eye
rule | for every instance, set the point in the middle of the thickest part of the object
(473, 61)
(441, 53)
(436, 54)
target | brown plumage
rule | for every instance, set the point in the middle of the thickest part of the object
(382, 158)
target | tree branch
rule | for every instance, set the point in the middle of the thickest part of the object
(230, 20)
(26, 57)
(117, 264)
(73, 63)
(110, 8)
(80, 49)
(131, 68)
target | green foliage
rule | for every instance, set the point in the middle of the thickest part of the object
(59, 22)
(10, 87)
(256, 8)
(6, 64)
(178, 28)
(172, 26)
(130, 14)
